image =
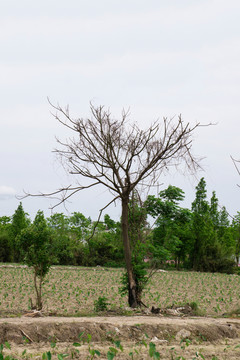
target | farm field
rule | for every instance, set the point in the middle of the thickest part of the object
(71, 291)
(70, 328)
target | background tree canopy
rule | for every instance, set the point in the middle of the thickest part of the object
(203, 238)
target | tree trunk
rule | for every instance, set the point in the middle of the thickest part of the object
(196, 253)
(132, 296)
(38, 291)
(237, 259)
(178, 263)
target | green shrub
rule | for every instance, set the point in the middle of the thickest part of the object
(101, 304)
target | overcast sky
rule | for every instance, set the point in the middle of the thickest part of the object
(160, 58)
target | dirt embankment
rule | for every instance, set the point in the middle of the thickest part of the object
(124, 328)
(207, 336)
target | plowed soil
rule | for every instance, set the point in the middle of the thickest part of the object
(206, 337)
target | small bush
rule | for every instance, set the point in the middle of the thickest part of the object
(101, 304)
(194, 305)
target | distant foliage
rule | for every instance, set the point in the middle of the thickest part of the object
(203, 238)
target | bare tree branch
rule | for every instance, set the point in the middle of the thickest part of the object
(65, 192)
(99, 216)
(121, 157)
(235, 164)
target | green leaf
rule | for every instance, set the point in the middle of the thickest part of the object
(152, 349)
(77, 344)
(49, 355)
(112, 349)
(81, 335)
(8, 346)
(110, 355)
(89, 338)
(143, 342)
(118, 345)
(188, 342)
(62, 356)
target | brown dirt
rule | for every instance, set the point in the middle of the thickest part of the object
(210, 337)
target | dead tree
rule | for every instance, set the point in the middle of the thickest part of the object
(122, 157)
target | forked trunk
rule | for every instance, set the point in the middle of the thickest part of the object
(132, 295)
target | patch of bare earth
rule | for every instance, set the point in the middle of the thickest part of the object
(173, 336)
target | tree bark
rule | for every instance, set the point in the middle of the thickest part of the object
(132, 296)
(38, 291)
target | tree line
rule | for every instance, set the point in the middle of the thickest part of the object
(202, 238)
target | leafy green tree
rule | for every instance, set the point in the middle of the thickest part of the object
(213, 210)
(4, 221)
(203, 229)
(222, 227)
(113, 228)
(59, 222)
(236, 236)
(209, 252)
(226, 233)
(35, 243)
(80, 226)
(6, 245)
(70, 237)
(20, 221)
(110, 223)
(104, 247)
(81, 229)
(172, 227)
(104, 250)
(62, 242)
(223, 219)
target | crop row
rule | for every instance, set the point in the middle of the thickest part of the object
(73, 291)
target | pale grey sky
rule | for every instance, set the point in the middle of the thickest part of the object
(160, 58)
